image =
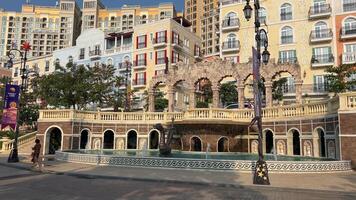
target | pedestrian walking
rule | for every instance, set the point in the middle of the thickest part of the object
(36, 160)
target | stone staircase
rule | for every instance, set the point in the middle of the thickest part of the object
(25, 144)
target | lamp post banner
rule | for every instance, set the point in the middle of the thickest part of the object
(10, 107)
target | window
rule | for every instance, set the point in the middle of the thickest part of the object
(287, 35)
(263, 38)
(161, 57)
(230, 20)
(289, 86)
(16, 73)
(161, 37)
(349, 55)
(175, 57)
(350, 48)
(320, 83)
(175, 38)
(289, 56)
(262, 14)
(141, 41)
(233, 59)
(140, 78)
(47, 66)
(349, 26)
(349, 5)
(286, 12)
(231, 42)
(141, 59)
(322, 55)
(82, 54)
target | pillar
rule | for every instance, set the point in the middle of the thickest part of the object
(241, 96)
(269, 99)
(151, 101)
(298, 91)
(115, 42)
(122, 41)
(192, 98)
(170, 94)
(216, 97)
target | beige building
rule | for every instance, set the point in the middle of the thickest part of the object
(298, 32)
(95, 15)
(157, 42)
(204, 16)
(45, 28)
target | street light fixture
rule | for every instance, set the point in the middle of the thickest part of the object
(261, 171)
(13, 157)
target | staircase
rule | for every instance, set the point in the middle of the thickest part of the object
(24, 144)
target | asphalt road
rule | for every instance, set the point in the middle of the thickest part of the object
(21, 184)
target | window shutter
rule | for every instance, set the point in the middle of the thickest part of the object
(155, 72)
(156, 37)
(313, 53)
(165, 54)
(145, 58)
(156, 57)
(172, 58)
(144, 78)
(136, 75)
(172, 36)
(137, 42)
(165, 36)
(145, 41)
(136, 62)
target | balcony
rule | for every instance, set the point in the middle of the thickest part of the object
(230, 24)
(139, 83)
(95, 53)
(125, 67)
(349, 58)
(159, 42)
(325, 35)
(177, 43)
(320, 11)
(322, 60)
(348, 32)
(288, 60)
(140, 64)
(231, 46)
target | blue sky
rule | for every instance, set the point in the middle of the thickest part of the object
(15, 5)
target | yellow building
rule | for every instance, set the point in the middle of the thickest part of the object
(95, 15)
(154, 42)
(298, 32)
(45, 28)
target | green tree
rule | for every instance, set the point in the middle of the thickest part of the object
(228, 93)
(160, 102)
(339, 78)
(277, 88)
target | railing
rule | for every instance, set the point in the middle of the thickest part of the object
(95, 53)
(349, 57)
(238, 115)
(7, 146)
(321, 34)
(348, 101)
(141, 62)
(159, 40)
(231, 45)
(348, 31)
(322, 59)
(287, 60)
(319, 10)
(234, 22)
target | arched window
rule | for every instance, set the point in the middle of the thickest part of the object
(263, 38)
(262, 14)
(321, 30)
(230, 20)
(231, 41)
(286, 12)
(349, 26)
(286, 35)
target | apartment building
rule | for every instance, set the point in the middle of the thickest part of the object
(46, 28)
(298, 32)
(157, 43)
(204, 16)
(95, 15)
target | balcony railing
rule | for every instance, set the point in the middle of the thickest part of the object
(286, 16)
(349, 5)
(139, 82)
(321, 35)
(349, 57)
(231, 46)
(287, 39)
(160, 41)
(229, 24)
(95, 53)
(322, 60)
(348, 32)
(161, 61)
(140, 63)
(320, 11)
(177, 42)
(291, 60)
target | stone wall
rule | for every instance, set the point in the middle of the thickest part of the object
(348, 137)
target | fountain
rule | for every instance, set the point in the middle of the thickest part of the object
(208, 149)
(165, 148)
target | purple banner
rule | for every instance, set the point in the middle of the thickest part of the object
(256, 83)
(9, 116)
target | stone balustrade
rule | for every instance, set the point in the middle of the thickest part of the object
(205, 114)
(8, 145)
(348, 101)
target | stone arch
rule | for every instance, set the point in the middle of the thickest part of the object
(131, 139)
(85, 139)
(319, 142)
(294, 141)
(108, 141)
(331, 147)
(196, 143)
(53, 141)
(223, 144)
(268, 140)
(153, 141)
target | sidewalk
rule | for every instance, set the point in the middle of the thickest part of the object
(343, 182)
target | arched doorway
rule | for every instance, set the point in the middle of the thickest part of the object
(132, 140)
(269, 141)
(53, 140)
(296, 142)
(322, 148)
(108, 140)
(154, 140)
(203, 93)
(195, 144)
(223, 145)
(84, 138)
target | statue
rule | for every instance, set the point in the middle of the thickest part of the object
(120, 144)
(254, 146)
(331, 149)
(307, 148)
(281, 147)
(97, 144)
(165, 148)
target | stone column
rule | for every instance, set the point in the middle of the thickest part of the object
(151, 101)
(115, 42)
(192, 98)
(241, 96)
(216, 96)
(122, 41)
(170, 94)
(298, 91)
(269, 99)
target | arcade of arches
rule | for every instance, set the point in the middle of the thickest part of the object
(215, 73)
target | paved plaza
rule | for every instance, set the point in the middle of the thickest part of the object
(60, 180)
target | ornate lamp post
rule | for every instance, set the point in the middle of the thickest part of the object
(127, 76)
(261, 171)
(13, 157)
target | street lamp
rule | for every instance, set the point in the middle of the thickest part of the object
(261, 171)
(127, 75)
(13, 157)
